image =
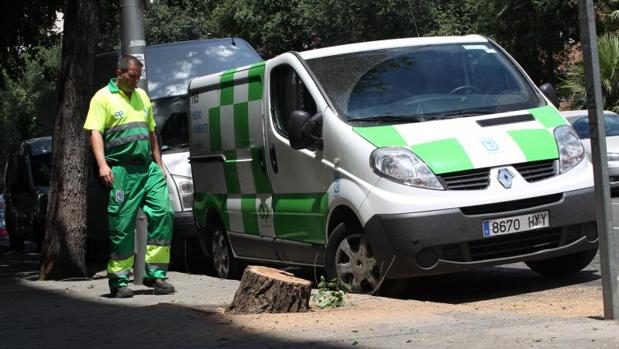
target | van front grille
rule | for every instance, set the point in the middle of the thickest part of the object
(514, 245)
(467, 180)
(511, 245)
(536, 171)
(479, 179)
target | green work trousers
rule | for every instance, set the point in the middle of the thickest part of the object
(138, 186)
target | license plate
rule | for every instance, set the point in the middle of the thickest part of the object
(514, 224)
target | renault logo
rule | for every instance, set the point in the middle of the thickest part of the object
(505, 178)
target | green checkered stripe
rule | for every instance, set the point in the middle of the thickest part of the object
(249, 204)
(234, 134)
(300, 217)
(449, 155)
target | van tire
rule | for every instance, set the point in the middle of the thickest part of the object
(562, 265)
(349, 247)
(223, 263)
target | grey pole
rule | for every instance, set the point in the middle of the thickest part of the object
(588, 38)
(133, 43)
(132, 39)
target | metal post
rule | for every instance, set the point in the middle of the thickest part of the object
(598, 151)
(132, 39)
(139, 265)
(133, 43)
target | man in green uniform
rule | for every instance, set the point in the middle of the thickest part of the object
(122, 134)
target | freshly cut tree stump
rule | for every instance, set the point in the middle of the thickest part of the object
(268, 290)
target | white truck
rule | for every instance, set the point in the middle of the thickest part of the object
(395, 158)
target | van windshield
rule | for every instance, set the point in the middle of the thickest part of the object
(422, 83)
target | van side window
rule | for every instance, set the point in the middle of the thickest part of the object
(288, 94)
(175, 131)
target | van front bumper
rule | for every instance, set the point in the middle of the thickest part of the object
(184, 226)
(451, 240)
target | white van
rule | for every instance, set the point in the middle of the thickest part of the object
(169, 68)
(393, 159)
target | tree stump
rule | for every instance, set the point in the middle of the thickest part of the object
(268, 290)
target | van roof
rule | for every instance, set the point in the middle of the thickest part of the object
(383, 44)
(170, 67)
(40, 145)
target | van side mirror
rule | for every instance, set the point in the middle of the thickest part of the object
(549, 91)
(303, 129)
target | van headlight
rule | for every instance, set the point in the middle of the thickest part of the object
(403, 166)
(185, 191)
(571, 151)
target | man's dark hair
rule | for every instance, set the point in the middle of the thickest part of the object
(127, 60)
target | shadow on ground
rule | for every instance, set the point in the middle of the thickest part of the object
(34, 317)
(488, 283)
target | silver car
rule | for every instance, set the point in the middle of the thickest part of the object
(580, 120)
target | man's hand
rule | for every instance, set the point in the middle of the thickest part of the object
(106, 175)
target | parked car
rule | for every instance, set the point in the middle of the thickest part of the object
(580, 120)
(3, 233)
(27, 180)
(27, 175)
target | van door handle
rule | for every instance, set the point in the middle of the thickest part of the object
(273, 157)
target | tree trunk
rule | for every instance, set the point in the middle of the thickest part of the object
(64, 247)
(268, 290)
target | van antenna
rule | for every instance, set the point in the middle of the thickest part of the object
(232, 38)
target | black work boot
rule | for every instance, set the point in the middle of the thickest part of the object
(159, 286)
(122, 292)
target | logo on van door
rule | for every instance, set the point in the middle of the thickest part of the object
(264, 211)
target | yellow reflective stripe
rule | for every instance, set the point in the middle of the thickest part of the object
(117, 266)
(157, 254)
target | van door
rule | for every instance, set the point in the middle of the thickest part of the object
(20, 200)
(299, 179)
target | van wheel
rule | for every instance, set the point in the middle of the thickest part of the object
(563, 265)
(223, 262)
(349, 260)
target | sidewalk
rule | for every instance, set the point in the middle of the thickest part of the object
(78, 314)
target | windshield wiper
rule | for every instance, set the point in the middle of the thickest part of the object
(391, 118)
(176, 146)
(465, 113)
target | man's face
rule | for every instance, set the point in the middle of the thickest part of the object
(128, 78)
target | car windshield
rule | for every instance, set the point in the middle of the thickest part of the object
(422, 83)
(581, 125)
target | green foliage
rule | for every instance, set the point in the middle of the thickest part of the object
(574, 84)
(174, 21)
(27, 106)
(537, 33)
(165, 21)
(274, 27)
(28, 102)
(26, 26)
(607, 16)
(330, 294)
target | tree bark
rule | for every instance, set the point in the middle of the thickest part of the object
(268, 290)
(64, 247)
